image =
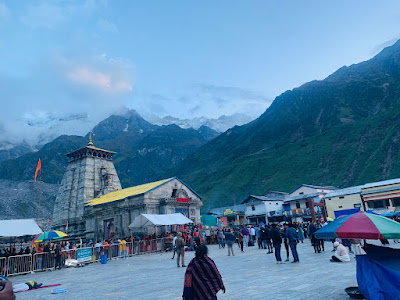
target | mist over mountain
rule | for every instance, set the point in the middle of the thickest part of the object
(221, 124)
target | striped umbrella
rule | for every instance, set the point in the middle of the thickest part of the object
(361, 225)
(49, 235)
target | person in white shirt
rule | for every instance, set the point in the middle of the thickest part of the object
(341, 254)
(174, 245)
(253, 234)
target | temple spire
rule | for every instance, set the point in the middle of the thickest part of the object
(90, 140)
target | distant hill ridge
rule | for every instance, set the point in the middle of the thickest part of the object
(144, 151)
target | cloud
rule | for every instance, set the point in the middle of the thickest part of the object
(4, 13)
(378, 48)
(107, 26)
(200, 100)
(52, 15)
(108, 75)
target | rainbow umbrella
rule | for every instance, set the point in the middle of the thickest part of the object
(49, 235)
(360, 225)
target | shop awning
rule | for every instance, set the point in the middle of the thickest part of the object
(146, 220)
(19, 227)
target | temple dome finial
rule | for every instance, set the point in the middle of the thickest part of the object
(90, 139)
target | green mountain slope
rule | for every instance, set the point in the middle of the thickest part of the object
(341, 131)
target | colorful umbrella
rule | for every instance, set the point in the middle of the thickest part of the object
(361, 226)
(49, 235)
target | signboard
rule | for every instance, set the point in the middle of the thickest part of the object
(224, 221)
(228, 212)
(83, 255)
(182, 200)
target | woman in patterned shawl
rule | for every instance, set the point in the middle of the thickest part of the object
(202, 278)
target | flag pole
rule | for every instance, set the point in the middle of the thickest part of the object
(40, 195)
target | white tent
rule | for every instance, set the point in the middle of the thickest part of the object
(19, 227)
(145, 220)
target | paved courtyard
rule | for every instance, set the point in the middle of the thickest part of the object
(249, 275)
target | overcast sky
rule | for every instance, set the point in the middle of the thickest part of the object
(86, 59)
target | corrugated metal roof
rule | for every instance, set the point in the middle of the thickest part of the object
(326, 187)
(300, 197)
(346, 191)
(380, 183)
(128, 192)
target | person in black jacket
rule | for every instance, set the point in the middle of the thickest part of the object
(277, 242)
(269, 244)
(263, 237)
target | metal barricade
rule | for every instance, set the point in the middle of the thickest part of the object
(3, 266)
(48, 260)
(37, 261)
(97, 251)
(19, 264)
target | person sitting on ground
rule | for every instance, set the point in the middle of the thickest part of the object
(202, 278)
(341, 254)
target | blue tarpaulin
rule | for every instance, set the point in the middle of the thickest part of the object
(378, 273)
(339, 213)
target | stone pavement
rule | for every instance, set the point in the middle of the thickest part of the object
(249, 275)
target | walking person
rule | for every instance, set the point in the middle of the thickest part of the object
(230, 240)
(220, 237)
(174, 246)
(285, 240)
(252, 234)
(300, 233)
(240, 240)
(291, 234)
(180, 249)
(244, 240)
(57, 256)
(277, 242)
(268, 237)
(202, 278)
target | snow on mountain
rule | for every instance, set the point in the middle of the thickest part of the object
(221, 124)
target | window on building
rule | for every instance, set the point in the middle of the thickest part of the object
(307, 205)
(174, 191)
(277, 203)
(302, 193)
(297, 205)
(340, 206)
(377, 204)
(341, 197)
(396, 202)
(357, 205)
(253, 207)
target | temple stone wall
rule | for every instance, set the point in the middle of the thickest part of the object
(122, 213)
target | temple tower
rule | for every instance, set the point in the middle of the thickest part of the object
(90, 173)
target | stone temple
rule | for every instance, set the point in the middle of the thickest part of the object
(93, 204)
(90, 173)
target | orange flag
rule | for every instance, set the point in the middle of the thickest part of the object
(39, 166)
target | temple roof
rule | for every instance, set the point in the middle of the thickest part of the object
(83, 151)
(92, 148)
(131, 192)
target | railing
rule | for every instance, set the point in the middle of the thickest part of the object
(3, 266)
(23, 264)
(19, 264)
